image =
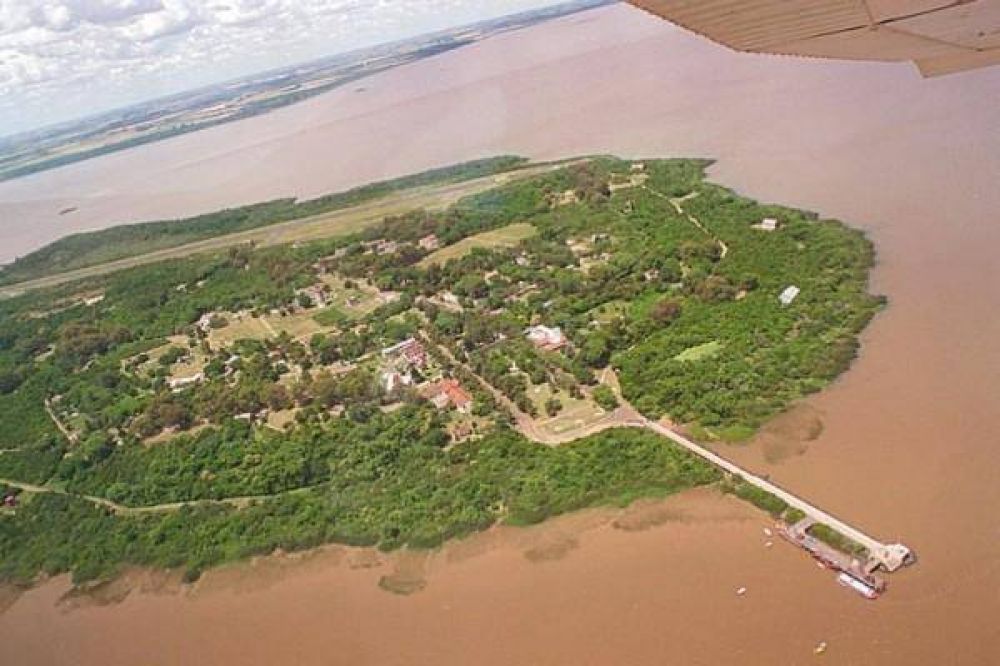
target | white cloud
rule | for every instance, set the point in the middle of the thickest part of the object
(61, 59)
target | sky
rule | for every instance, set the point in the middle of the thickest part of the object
(64, 59)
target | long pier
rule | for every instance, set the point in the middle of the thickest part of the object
(890, 556)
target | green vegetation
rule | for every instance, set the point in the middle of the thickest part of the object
(759, 498)
(605, 397)
(91, 248)
(835, 539)
(698, 352)
(270, 374)
(423, 497)
(793, 515)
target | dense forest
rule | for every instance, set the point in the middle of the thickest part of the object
(161, 385)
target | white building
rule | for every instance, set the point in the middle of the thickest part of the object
(546, 337)
(393, 381)
(429, 242)
(788, 295)
(178, 383)
(768, 224)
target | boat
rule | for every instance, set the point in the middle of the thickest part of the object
(859, 586)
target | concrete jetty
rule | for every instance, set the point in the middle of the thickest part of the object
(889, 556)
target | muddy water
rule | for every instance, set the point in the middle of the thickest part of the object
(905, 444)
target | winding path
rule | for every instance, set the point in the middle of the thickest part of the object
(677, 202)
(240, 502)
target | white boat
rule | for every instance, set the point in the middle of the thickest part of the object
(859, 586)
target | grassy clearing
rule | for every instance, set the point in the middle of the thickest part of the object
(509, 236)
(240, 327)
(575, 413)
(609, 311)
(352, 302)
(700, 352)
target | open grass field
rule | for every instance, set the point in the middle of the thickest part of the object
(575, 413)
(606, 312)
(509, 236)
(299, 325)
(241, 326)
(355, 301)
(191, 364)
(699, 352)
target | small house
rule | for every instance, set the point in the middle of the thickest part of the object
(429, 242)
(768, 224)
(457, 396)
(788, 295)
(447, 392)
(546, 337)
(179, 383)
(393, 381)
(410, 350)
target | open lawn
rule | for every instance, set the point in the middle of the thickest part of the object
(241, 326)
(699, 352)
(575, 413)
(355, 301)
(509, 236)
(606, 312)
(299, 325)
(279, 419)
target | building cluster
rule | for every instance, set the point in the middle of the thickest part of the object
(318, 294)
(381, 246)
(399, 363)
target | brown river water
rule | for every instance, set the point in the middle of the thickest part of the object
(905, 445)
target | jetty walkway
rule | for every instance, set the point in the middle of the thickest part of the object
(890, 556)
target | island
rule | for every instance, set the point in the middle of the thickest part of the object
(499, 343)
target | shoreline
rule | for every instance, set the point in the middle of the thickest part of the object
(548, 541)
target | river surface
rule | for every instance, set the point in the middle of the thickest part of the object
(905, 445)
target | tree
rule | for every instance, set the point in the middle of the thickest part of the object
(595, 350)
(665, 311)
(605, 397)
(553, 406)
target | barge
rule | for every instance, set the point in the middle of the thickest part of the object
(852, 572)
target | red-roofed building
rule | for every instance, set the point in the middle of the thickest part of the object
(448, 392)
(457, 395)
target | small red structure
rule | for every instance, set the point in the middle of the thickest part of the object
(10, 500)
(448, 392)
(457, 395)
